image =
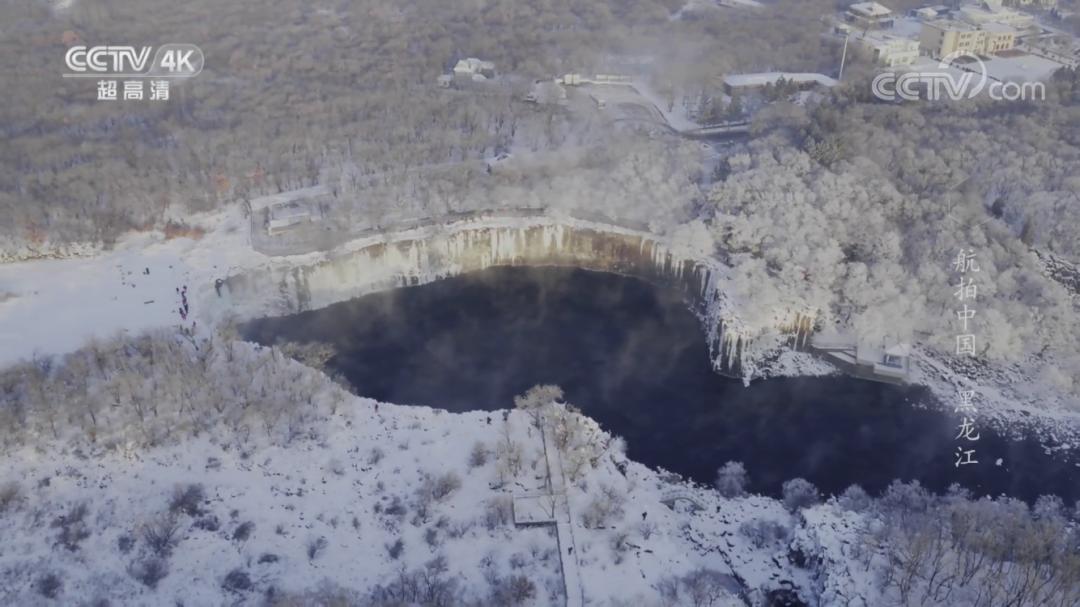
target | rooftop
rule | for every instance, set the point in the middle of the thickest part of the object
(882, 39)
(899, 349)
(907, 27)
(274, 200)
(979, 13)
(1021, 68)
(951, 25)
(473, 65)
(999, 28)
(763, 78)
(870, 9)
(289, 211)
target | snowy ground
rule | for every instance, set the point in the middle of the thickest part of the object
(308, 495)
(1020, 69)
(789, 363)
(55, 306)
(906, 27)
(1023, 68)
(1008, 398)
(326, 509)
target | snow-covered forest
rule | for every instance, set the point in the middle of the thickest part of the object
(291, 90)
(863, 207)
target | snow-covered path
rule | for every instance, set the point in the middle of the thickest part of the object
(564, 522)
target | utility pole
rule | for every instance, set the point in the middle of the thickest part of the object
(843, 57)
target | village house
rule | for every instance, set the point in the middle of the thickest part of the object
(473, 70)
(885, 359)
(466, 72)
(280, 213)
(286, 216)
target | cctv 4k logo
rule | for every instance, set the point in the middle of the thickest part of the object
(169, 61)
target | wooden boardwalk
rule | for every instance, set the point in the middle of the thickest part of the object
(564, 523)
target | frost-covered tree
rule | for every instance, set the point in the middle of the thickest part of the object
(731, 480)
(536, 399)
(799, 493)
(854, 498)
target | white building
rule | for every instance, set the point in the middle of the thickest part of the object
(869, 15)
(943, 38)
(886, 359)
(285, 216)
(991, 11)
(473, 70)
(1046, 4)
(890, 51)
(578, 79)
(746, 82)
(612, 79)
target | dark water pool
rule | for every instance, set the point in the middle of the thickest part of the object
(633, 357)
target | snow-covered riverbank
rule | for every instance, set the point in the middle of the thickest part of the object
(266, 482)
(352, 494)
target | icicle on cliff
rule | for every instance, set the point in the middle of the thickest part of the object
(421, 255)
